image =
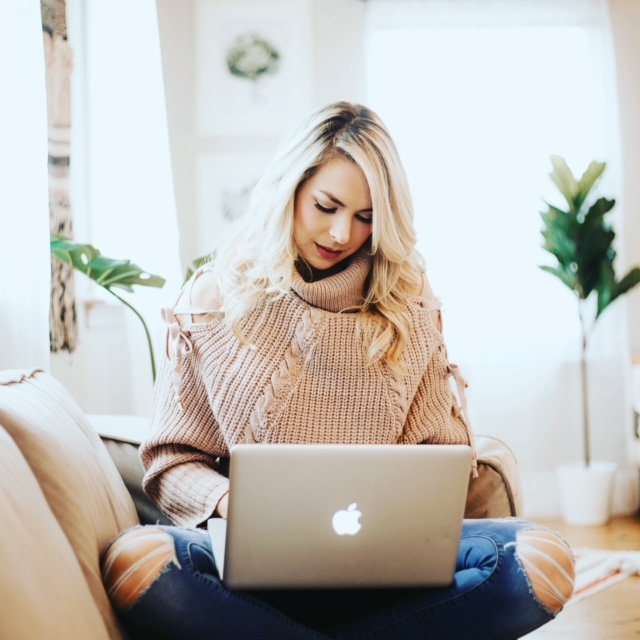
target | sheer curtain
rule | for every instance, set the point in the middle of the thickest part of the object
(478, 94)
(132, 202)
(24, 257)
(123, 198)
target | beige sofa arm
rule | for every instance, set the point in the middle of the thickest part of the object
(82, 487)
(122, 435)
(497, 491)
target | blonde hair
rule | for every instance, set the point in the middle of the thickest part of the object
(256, 256)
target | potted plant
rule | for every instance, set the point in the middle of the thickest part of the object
(581, 240)
(109, 274)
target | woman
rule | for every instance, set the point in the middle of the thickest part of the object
(316, 291)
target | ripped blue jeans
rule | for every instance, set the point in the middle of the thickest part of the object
(491, 599)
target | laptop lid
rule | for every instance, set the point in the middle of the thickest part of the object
(342, 516)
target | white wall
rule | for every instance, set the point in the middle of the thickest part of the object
(625, 21)
(335, 69)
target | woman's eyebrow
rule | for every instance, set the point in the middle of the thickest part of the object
(331, 197)
(340, 204)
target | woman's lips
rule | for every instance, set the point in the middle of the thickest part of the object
(328, 254)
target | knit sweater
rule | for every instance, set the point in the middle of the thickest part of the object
(304, 379)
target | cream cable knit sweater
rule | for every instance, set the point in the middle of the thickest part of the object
(305, 381)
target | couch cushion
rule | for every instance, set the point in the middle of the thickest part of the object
(77, 476)
(43, 593)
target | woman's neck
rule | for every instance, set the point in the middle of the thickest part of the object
(311, 274)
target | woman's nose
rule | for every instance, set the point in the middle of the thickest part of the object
(340, 229)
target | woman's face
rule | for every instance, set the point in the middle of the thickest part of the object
(333, 214)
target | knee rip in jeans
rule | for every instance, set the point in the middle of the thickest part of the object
(548, 564)
(134, 561)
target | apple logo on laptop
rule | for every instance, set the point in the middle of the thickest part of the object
(345, 522)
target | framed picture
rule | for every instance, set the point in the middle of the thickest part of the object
(253, 66)
(224, 184)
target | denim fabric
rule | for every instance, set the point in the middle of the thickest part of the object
(490, 599)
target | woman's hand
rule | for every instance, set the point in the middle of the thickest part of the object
(223, 506)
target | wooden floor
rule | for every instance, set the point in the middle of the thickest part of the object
(612, 614)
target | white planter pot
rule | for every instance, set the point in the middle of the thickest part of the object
(586, 492)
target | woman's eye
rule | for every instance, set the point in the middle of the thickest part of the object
(326, 209)
(365, 219)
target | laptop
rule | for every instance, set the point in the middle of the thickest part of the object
(324, 516)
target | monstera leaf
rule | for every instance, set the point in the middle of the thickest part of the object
(108, 273)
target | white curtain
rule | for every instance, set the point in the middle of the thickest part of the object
(478, 94)
(123, 199)
(24, 208)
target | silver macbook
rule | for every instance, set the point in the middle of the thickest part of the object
(342, 516)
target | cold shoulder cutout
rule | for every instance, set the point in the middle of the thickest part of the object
(198, 303)
(198, 299)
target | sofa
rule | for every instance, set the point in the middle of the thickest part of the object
(70, 483)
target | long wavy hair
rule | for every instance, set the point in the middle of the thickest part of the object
(256, 256)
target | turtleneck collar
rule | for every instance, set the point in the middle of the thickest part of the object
(340, 291)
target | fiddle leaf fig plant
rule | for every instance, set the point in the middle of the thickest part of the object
(108, 273)
(581, 240)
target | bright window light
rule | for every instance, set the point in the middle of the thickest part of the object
(477, 103)
(476, 113)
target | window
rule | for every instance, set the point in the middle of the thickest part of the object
(478, 95)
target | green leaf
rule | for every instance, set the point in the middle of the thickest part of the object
(107, 272)
(605, 286)
(594, 217)
(556, 212)
(566, 277)
(560, 246)
(566, 182)
(589, 178)
(73, 254)
(628, 282)
(558, 233)
(556, 217)
(594, 253)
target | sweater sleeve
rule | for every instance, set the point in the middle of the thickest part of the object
(180, 455)
(435, 416)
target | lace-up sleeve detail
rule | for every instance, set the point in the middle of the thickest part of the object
(435, 417)
(461, 385)
(181, 456)
(182, 452)
(179, 344)
(178, 347)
